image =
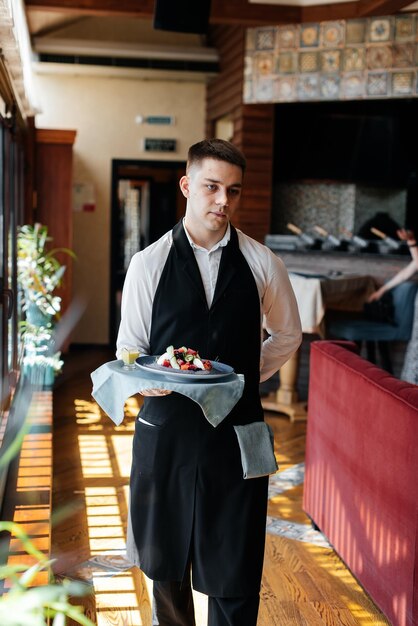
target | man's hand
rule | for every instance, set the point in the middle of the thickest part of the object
(155, 392)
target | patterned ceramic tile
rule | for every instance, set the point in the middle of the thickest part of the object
(265, 38)
(373, 57)
(403, 83)
(330, 86)
(263, 90)
(330, 60)
(250, 39)
(308, 62)
(287, 63)
(352, 85)
(354, 59)
(288, 36)
(309, 35)
(333, 34)
(404, 28)
(296, 531)
(264, 63)
(248, 66)
(379, 57)
(286, 479)
(308, 87)
(355, 31)
(284, 89)
(403, 54)
(378, 84)
(248, 91)
(380, 29)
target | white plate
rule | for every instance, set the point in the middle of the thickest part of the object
(219, 370)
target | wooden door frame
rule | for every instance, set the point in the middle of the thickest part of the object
(116, 165)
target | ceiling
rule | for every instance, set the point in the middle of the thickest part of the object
(47, 13)
(94, 29)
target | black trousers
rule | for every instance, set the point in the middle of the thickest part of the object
(174, 607)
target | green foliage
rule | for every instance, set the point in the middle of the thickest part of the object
(48, 605)
(39, 272)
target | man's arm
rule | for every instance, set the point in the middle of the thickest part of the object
(281, 320)
(136, 308)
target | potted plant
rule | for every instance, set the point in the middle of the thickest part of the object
(39, 273)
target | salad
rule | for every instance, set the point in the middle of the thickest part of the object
(183, 359)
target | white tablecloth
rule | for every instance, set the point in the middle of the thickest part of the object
(315, 294)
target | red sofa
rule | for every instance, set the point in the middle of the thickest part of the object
(361, 483)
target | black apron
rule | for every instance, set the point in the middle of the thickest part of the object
(189, 501)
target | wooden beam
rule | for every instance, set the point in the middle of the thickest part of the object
(247, 14)
(381, 7)
(137, 8)
(231, 12)
(240, 12)
(325, 12)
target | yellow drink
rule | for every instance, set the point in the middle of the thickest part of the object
(129, 355)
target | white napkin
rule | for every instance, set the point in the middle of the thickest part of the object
(112, 386)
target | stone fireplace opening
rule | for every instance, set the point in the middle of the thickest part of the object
(337, 164)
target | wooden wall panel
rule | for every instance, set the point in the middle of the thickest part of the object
(253, 127)
(53, 167)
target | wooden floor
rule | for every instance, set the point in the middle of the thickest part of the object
(303, 583)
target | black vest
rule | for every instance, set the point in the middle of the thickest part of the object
(228, 331)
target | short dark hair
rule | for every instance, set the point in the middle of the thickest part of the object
(218, 149)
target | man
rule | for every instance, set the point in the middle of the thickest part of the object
(206, 286)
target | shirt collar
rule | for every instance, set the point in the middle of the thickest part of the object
(223, 242)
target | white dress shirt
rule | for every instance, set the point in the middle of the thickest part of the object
(278, 307)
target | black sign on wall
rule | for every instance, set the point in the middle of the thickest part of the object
(160, 145)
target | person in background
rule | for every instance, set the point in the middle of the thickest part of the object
(207, 286)
(410, 366)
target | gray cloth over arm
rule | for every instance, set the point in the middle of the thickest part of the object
(256, 443)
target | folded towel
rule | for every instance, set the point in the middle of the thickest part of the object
(112, 386)
(256, 443)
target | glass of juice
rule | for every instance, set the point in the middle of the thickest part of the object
(129, 355)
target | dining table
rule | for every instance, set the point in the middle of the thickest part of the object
(315, 293)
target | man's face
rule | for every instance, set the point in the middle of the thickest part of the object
(213, 191)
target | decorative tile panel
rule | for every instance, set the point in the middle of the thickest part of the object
(308, 62)
(374, 57)
(287, 63)
(333, 34)
(309, 35)
(379, 29)
(378, 84)
(288, 37)
(265, 39)
(330, 60)
(264, 64)
(285, 89)
(404, 28)
(308, 87)
(403, 54)
(330, 86)
(403, 83)
(352, 85)
(355, 31)
(354, 59)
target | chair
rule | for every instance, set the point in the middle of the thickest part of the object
(371, 332)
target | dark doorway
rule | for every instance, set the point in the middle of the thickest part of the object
(146, 203)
